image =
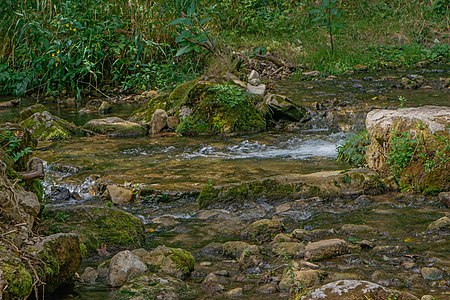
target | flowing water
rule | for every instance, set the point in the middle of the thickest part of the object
(186, 164)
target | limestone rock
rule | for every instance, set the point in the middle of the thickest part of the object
(159, 121)
(325, 249)
(251, 257)
(355, 289)
(234, 293)
(115, 127)
(120, 195)
(234, 249)
(431, 273)
(444, 197)
(259, 90)
(123, 267)
(89, 275)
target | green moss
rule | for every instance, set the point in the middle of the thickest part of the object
(181, 94)
(19, 280)
(183, 260)
(29, 111)
(46, 127)
(144, 114)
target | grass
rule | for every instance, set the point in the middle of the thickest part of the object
(48, 46)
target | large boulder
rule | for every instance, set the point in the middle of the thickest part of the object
(412, 145)
(98, 227)
(205, 107)
(46, 127)
(123, 267)
(115, 127)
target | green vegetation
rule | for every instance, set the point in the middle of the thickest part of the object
(61, 47)
(353, 150)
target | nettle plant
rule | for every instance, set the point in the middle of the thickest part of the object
(325, 15)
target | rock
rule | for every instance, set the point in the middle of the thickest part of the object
(427, 297)
(120, 195)
(358, 230)
(251, 257)
(259, 90)
(234, 79)
(61, 257)
(123, 267)
(398, 130)
(234, 293)
(31, 110)
(212, 251)
(253, 75)
(105, 108)
(391, 250)
(262, 230)
(158, 121)
(97, 226)
(303, 278)
(310, 235)
(234, 249)
(442, 224)
(267, 289)
(172, 261)
(165, 221)
(211, 284)
(115, 127)
(89, 276)
(47, 127)
(281, 108)
(412, 82)
(11, 103)
(281, 237)
(431, 273)
(325, 249)
(172, 123)
(289, 249)
(355, 289)
(60, 194)
(444, 197)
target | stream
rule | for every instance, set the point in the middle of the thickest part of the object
(180, 166)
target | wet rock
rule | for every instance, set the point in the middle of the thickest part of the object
(412, 82)
(158, 121)
(165, 221)
(325, 249)
(442, 224)
(444, 197)
(120, 195)
(46, 127)
(355, 289)
(282, 108)
(97, 226)
(431, 273)
(310, 235)
(172, 261)
(234, 249)
(89, 275)
(123, 267)
(212, 250)
(391, 249)
(31, 110)
(60, 194)
(234, 293)
(11, 103)
(303, 278)
(259, 90)
(262, 230)
(115, 127)
(211, 284)
(289, 249)
(251, 257)
(105, 108)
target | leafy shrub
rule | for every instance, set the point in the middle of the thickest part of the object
(353, 150)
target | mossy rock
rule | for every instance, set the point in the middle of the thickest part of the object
(173, 261)
(96, 225)
(220, 108)
(31, 110)
(46, 127)
(144, 114)
(115, 127)
(16, 281)
(321, 184)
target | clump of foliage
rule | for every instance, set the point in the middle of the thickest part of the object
(12, 145)
(414, 159)
(325, 15)
(353, 150)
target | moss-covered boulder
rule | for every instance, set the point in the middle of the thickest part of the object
(46, 127)
(16, 281)
(262, 231)
(115, 127)
(172, 261)
(96, 226)
(412, 146)
(205, 107)
(31, 110)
